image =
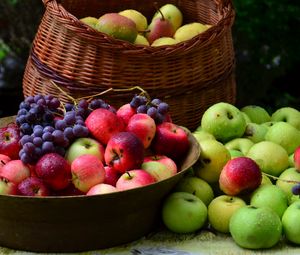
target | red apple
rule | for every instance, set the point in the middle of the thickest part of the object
(125, 112)
(124, 151)
(7, 187)
(87, 171)
(54, 170)
(170, 140)
(33, 186)
(297, 158)
(9, 141)
(101, 188)
(157, 169)
(103, 123)
(240, 175)
(143, 126)
(168, 162)
(133, 179)
(70, 190)
(111, 175)
(3, 160)
(15, 171)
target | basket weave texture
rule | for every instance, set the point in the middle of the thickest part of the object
(190, 75)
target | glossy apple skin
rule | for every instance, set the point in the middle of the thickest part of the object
(143, 126)
(54, 170)
(125, 112)
(133, 179)
(158, 170)
(101, 188)
(170, 140)
(9, 141)
(103, 124)
(124, 151)
(15, 171)
(87, 171)
(3, 160)
(7, 187)
(297, 158)
(168, 162)
(111, 176)
(34, 187)
(240, 175)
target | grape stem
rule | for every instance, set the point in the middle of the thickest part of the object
(277, 178)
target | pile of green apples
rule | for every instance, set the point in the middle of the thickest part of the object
(165, 28)
(246, 180)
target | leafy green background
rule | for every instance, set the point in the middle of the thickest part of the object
(266, 40)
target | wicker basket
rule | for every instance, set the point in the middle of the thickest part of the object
(190, 76)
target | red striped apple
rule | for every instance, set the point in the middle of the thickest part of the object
(101, 188)
(15, 171)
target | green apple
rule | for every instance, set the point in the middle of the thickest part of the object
(286, 181)
(255, 228)
(221, 209)
(255, 132)
(141, 40)
(197, 187)
(291, 160)
(257, 114)
(285, 135)
(236, 153)
(246, 117)
(214, 155)
(224, 121)
(289, 115)
(265, 180)
(183, 212)
(291, 223)
(158, 170)
(241, 144)
(270, 196)
(271, 157)
(90, 21)
(171, 13)
(201, 135)
(138, 18)
(83, 146)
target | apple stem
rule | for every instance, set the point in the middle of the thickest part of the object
(158, 10)
(3, 162)
(129, 174)
(277, 178)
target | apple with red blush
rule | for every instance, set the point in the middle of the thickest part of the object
(125, 112)
(297, 158)
(7, 187)
(134, 179)
(87, 171)
(34, 187)
(143, 126)
(15, 171)
(70, 190)
(9, 141)
(124, 151)
(101, 188)
(54, 170)
(111, 175)
(240, 175)
(3, 160)
(168, 162)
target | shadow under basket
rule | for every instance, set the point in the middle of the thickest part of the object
(190, 76)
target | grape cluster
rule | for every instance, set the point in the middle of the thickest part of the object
(296, 189)
(156, 108)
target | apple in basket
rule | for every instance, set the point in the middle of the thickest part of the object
(15, 171)
(9, 141)
(33, 186)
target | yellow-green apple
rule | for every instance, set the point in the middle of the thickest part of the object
(90, 21)
(235, 153)
(265, 180)
(111, 176)
(164, 41)
(214, 155)
(34, 187)
(9, 141)
(241, 144)
(137, 17)
(285, 135)
(224, 121)
(133, 179)
(102, 124)
(287, 180)
(15, 171)
(271, 157)
(125, 112)
(297, 158)
(124, 151)
(87, 171)
(240, 175)
(291, 160)
(270, 196)
(188, 31)
(170, 140)
(287, 114)
(221, 209)
(54, 170)
(117, 26)
(172, 13)
(201, 135)
(255, 132)
(158, 170)
(257, 114)
(3, 160)
(85, 145)
(168, 162)
(101, 188)
(141, 40)
(7, 187)
(143, 126)
(197, 187)
(246, 117)
(255, 228)
(291, 223)
(183, 212)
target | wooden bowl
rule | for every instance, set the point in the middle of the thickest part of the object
(82, 223)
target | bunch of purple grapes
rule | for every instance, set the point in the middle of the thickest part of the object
(156, 108)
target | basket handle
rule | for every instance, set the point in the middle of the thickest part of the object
(222, 3)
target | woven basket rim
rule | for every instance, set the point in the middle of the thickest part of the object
(72, 23)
